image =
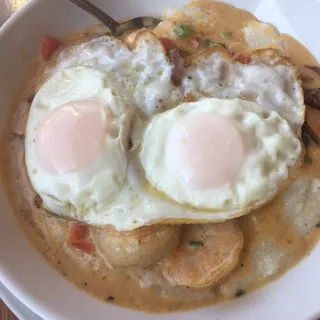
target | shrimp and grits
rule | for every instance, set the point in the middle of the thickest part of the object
(172, 168)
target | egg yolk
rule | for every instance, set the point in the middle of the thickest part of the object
(70, 137)
(205, 151)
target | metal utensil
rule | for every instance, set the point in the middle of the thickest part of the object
(115, 27)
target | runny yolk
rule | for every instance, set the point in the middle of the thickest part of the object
(70, 137)
(205, 151)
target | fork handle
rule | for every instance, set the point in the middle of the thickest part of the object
(98, 13)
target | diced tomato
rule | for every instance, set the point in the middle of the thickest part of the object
(196, 40)
(168, 44)
(77, 238)
(48, 46)
(242, 58)
(84, 245)
(77, 232)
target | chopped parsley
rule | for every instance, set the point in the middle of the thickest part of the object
(195, 244)
(307, 159)
(182, 30)
(240, 293)
(318, 225)
(208, 43)
(226, 34)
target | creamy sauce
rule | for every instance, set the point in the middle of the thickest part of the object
(224, 24)
(265, 227)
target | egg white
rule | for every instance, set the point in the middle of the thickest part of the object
(268, 79)
(140, 75)
(271, 150)
(88, 189)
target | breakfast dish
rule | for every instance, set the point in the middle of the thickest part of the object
(173, 168)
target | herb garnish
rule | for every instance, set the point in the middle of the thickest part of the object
(182, 30)
(195, 244)
(226, 34)
(208, 43)
(317, 225)
(110, 298)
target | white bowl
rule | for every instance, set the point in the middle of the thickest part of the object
(28, 276)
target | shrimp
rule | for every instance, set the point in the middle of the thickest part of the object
(206, 253)
(141, 247)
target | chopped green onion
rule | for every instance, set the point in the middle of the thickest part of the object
(226, 34)
(240, 293)
(318, 225)
(208, 43)
(307, 159)
(221, 44)
(182, 30)
(195, 244)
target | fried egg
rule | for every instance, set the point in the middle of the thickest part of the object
(76, 154)
(219, 155)
(76, 142)
(98, 84)
(268, 79)
(140, 75)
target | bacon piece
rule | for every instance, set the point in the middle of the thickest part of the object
(312, 124)
(177, 62)
(312, 97)
(168, 44)
(315, 69)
